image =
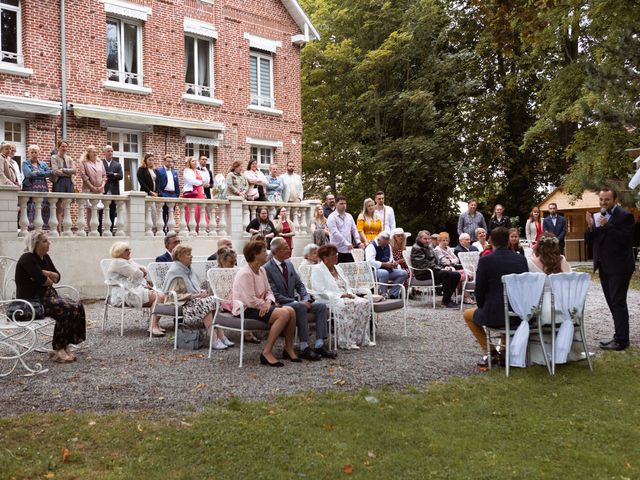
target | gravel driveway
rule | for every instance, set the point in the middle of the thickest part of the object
(133, 373)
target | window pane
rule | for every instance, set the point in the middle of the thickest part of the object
(14, 3)
(265, 81)
(254, 154)
(253, 74)
(9, 35)
(130, 168)
(188, 150)
(13, 132)
(112, 46)
(131, 51)
(113, 139)
(204, 63)
(205, 150)
(189, 74)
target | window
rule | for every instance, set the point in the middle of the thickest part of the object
(261, 79)
(13, 131)
(124, 51)
(197, 150)
(126, 149)
(264, 156)
(10, 32)
(198, 66)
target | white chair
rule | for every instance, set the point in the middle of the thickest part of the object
(469, 262)
(423, 286)
(296, 261)
(358, 254)
(170, 308)
(221, 283)
(304, 271)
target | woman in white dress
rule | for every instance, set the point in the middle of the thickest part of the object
(351, 312)
(138, 292)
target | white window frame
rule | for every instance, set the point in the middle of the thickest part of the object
(120, 155)
(257, 100)
(21, 147)
(199, 89)
(259, 152)
(18, 67)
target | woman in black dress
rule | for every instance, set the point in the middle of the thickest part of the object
(35, 276)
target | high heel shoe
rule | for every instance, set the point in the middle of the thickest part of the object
(286, 356)
(264, 361)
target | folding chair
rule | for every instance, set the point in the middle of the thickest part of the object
(469, 262)
(428, 286)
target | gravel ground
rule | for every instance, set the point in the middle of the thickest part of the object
(133, 373)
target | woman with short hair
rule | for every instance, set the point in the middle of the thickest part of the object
(310, 254)
(36, 173)
(63, 170)
(94, 177)
(261, 225)
(237, 184)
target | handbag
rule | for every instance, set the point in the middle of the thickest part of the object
(192, 338)
(20, 312)
(261, 196)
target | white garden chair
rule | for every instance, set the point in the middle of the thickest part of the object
(423, 286)
(469, 262)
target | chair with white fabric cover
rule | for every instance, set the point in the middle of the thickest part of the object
(469, 262)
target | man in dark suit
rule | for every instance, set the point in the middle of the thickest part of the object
(112, 187)
(555, 223)
(170, 242)
(168, 186)
(207, 176)
(610, 234)
(285, 284)
(489, 293)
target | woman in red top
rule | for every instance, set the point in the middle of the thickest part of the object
(284, 228)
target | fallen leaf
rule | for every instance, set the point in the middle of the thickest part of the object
(371, 455)
(139, 428)
(200, 386)
(92, 423)
(347, 469)
(185, 424)
(65, 454)
(332, 370)
(328, 426)
(50, 475)
(340, 381)
(272, 412)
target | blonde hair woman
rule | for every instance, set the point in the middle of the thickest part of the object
(398, 245)
(63, 169)
(319, 227)
(94, 178)
(368, 226)
(192, 181)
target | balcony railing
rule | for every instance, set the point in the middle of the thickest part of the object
(11, 57)
(124, 77)
(262, 100)
(200, 90)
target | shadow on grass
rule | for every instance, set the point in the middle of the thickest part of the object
(577, 424)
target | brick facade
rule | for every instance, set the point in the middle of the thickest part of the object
(163, 56)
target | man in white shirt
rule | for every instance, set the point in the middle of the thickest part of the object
(378, 254)
(292, 185)
(384, 213)
(343, 231)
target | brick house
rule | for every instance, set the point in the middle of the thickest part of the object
(219, 78)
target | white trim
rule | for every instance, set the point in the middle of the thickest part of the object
(197, 27)
(214, 102)
(126, 9)
(125, 87)
(301, 19)
(141, 118)
(214, 142)
(262, 142)
(262, 43)
(29, 105)
(13, 69)
(265, 110)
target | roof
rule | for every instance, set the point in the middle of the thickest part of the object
(589, 200)
(298, 15)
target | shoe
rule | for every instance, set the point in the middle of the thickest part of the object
(56, 357)
(614, 345)
(310, 354)
(353, 347)
(252, 339)
(607, 343)
(369, 344)
(286, 356)
(324, 352)
(219, 345)
(450, 305)
(264, 361)
(227, 342)
(156, 333)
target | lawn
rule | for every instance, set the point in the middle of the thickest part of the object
(635, 278)
(577, 424)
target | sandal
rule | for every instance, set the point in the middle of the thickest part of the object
(251, 339)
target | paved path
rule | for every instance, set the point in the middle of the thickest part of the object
(133, 373)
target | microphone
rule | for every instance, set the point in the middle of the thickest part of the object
(603, 212)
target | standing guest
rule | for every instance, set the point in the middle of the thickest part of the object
(292, 185)
(251, 289)
(610, 234)
(256, 181)
(237, 185)
(275, 184)
(35, 276)
(482, 243)
(14, 165)
(368, 225)
(398, 246)
(168, 187)
(489, 293)
(533, 228)
(171, 241)
(464, 244)
(343, 231)
(147, 183)
(319, 228)
(192, 185)
(498, 219)
(423, 258)
(197, 305)
(261, 225)
(36, 173)
(287, 286)
(63, 170)
(514, 241)
(351, 313)
(138, 292)
(310, 254)
(378, 254)
(469, 221)
(114, 174)
(284, 228)
(94, 178)
(384, 213)
(329, 205)
(555, 224)
(207, 176)
(7, 174)
(222, 243)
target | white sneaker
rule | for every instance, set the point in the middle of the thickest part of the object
(370, 344)
(227, 342)
(218, 345)
(353, 347)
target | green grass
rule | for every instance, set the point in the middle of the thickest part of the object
(635, 278)
(577, 424)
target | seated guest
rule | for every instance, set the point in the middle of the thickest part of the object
(125, 271)
(226, 257)
(35, 276)
(447, 258)
(434, 240)
(488, 249)
(310, 254)
(351, 313)
(197, 305)
(482, 243)
(514, 241)
(262, 225)
(222, 242)
(286, 286)
(546, 257)
(498, 219)
(464, 244)
(398, 245)
(423, 257)
(171, 240)
(251, 288)
(489, 292)
(378, 254)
